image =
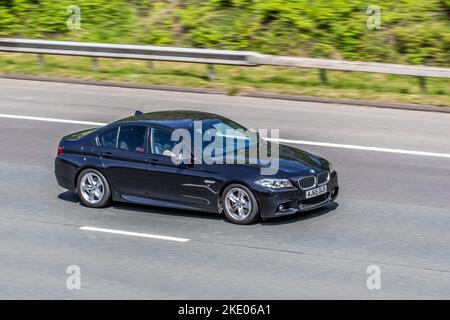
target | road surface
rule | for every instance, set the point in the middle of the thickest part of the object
(393, 210)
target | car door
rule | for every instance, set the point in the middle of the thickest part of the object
(124, 157)
(181, 183)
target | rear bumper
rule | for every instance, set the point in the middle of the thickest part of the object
(65, 173)
(294, 201)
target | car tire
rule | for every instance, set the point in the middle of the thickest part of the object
(239, 204)
(93, 189)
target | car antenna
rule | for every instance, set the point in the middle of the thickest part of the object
(138, 113)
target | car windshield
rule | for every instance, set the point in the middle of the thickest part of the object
(234, 136)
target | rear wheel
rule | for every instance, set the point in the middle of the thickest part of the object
(93, 189)
(239, 204)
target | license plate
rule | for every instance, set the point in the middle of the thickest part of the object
(316, 192)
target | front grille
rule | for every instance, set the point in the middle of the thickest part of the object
(307, 182)
(323, 178)
(310, 182)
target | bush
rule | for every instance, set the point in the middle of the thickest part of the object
(412, 31)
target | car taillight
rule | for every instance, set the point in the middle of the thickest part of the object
(60, 149)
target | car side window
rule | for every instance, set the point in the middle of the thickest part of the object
(108, 138)
(132, 138)
(161, 142)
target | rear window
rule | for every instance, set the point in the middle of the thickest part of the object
(132, 138)
(108, 138)
(79, 134)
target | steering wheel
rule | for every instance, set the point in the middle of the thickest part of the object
(159, 149)
(168, 146)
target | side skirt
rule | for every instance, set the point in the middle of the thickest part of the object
(160, 203)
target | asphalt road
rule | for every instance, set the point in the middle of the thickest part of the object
(393, 210)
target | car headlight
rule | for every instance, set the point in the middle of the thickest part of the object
(274, 183)
(330, 167)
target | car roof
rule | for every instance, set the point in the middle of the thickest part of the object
(172, 118)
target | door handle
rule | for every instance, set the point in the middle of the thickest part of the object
(153, 161)
(106, 154)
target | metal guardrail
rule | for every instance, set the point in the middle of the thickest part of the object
(345, 65)
(121, 51)
(211, 57)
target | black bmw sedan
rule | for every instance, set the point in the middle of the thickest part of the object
(139, 160)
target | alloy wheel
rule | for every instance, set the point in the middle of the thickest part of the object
(238, 203)
(92, 188)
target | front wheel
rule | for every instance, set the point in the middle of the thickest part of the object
(93, 189)
(239, 204)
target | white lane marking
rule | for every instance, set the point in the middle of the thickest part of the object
(350, 146)
(134, 234)
(311, 143)
(89, 123)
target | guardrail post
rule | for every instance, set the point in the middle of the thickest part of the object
(323, 76)
(211, 76)
(41, 60)
(423, 84)
(94, 64)
(150, 65)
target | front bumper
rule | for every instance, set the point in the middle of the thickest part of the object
(294, 200)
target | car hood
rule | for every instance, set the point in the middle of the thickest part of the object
(292, 162)
(296, 161)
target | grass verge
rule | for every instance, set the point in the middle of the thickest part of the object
(235, 80)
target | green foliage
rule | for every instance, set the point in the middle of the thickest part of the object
(412, 31)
